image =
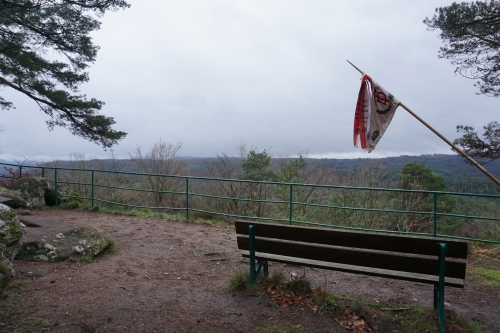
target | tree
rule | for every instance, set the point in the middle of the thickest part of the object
(160, 163)
(471, 34)
(44, 50)
(257, 167)
(416, 176)
(485, 150)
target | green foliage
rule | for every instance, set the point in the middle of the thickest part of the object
(415, 176)
(489, 277)
(239, 281)
(292, 171)
(69, 205)
(257, 166)
(30, 33)
(323, 297)
(485, 150)
(471, 36)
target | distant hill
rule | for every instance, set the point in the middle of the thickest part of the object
(444, 165)
(459, 175)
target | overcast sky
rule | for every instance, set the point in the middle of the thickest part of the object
(215, 74)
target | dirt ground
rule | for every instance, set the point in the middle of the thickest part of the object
(172, 277)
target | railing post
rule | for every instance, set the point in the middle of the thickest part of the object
(187, 198)
(43, 172)
(55, 190)
(291, 203)
(92, 182)
(435, 213)
(20, 171)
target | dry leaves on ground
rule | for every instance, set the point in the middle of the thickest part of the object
(357, 324)
(487, 252)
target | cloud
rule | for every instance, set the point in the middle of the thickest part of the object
(266, 73)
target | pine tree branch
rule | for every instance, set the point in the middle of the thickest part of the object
(48, 103)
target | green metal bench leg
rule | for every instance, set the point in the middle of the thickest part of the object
(255, 268)
(439, 287)
(266, 268)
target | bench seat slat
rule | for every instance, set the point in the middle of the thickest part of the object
(366, 240)
(358, 257)
(414, 277)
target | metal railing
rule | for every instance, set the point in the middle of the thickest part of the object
(189, 193)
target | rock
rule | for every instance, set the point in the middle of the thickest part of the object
(40, 191)
(11, 198)
(23, 212)
(50, 197)
(55, 241)
(10, 234)
(32, 190)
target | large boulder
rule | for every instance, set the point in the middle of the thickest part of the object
(32, 190)
(12, 198)
(11, 232)
(41, 191)
(55, 241)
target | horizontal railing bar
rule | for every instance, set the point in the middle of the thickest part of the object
(470, 217)
(364, 229)
(239, 216)
(73, 183)
(137, 189)
(365, 209)
(136, 206)
(235, 199)
(469, 239)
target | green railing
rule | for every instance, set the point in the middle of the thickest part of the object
(360, 208)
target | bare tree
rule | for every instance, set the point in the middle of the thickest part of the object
(161, 162)
(372, 175)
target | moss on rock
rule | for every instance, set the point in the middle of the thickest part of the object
(11, 232)
(32, 190)
(65, 242)
(15, 200)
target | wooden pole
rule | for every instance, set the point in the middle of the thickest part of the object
(461, 152)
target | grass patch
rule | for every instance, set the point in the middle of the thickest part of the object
(69, 205)
(14, 315)
(298, 286)
(402, 318)
(323, 297)
(240, 281)
(488, 277)
(146, 213)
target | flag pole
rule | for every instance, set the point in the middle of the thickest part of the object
(461, 152)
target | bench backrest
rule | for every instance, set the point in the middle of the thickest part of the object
(407, 253)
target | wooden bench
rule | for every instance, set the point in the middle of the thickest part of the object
(412, 258)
